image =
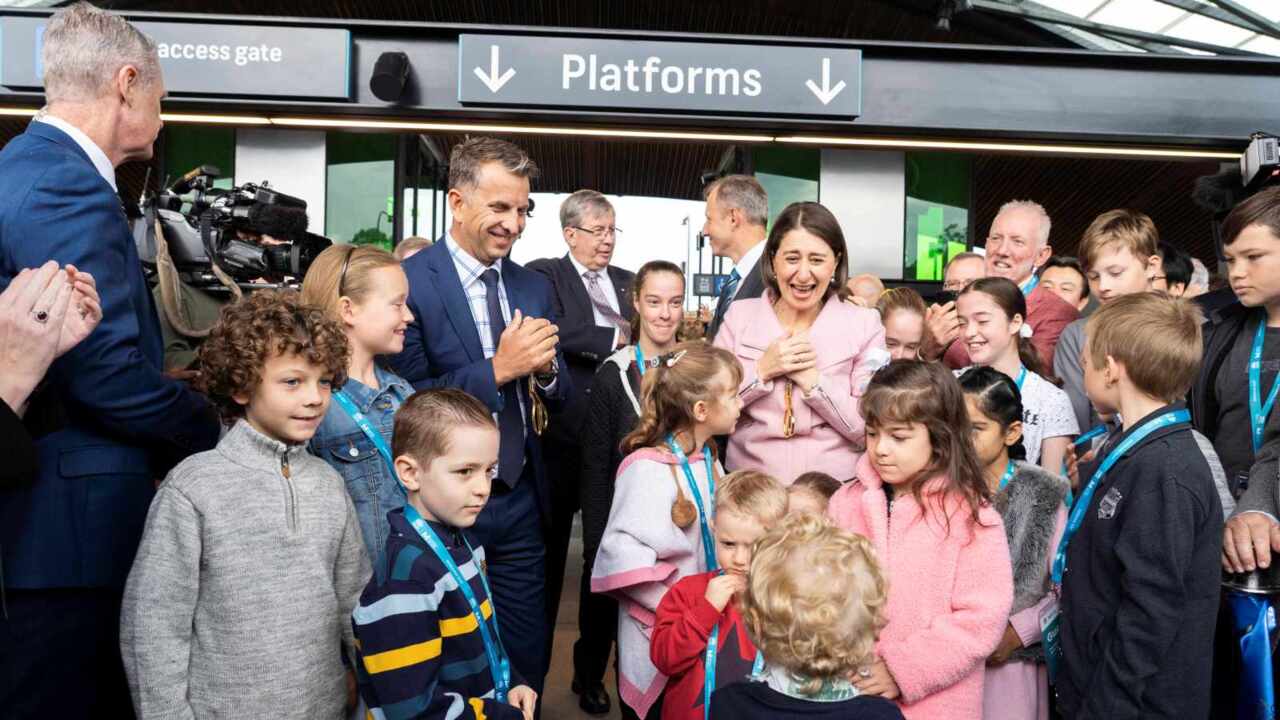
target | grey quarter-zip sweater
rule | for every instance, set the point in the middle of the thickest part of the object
(240, 597)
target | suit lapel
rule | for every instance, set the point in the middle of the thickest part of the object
(577, 288)
(455, 299)
(622, 287)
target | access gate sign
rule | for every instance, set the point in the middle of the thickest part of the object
(673, 77)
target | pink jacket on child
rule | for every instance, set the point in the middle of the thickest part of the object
(949, 593)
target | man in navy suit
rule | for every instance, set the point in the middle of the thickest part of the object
(593, 304)
(737, 218)
(483, 324)
(107, 421)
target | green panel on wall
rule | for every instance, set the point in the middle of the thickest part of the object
(937, 223)
(359, 188)
(788, 175)
(189, 146)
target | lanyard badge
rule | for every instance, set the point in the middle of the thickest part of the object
(708, 543)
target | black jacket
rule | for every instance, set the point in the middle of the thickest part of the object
(750, 700)
(19, 452)
(752, 286)
(610, 416)
(584, 343)
(1140, 593)
(1222, 327)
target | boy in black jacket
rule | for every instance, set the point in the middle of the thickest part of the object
(1141, 577)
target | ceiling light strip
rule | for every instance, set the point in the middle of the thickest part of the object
(215, 119)
(516, 129)
(981, 146)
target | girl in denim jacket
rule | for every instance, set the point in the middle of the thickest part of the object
(364, 289)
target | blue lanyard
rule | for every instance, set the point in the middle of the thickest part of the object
(1082, 503)
(1257, 411)
(708, 544)
(346, 403)
(499, 665)
(709, 666)
(1022, 378)
(1008, 475)
(640, 359)
(1031, 285)
(1094, 432)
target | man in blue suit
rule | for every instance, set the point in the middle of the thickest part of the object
(108, 422)
(483, 324)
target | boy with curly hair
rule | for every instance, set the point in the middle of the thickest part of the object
(251, 558)
(813, 605)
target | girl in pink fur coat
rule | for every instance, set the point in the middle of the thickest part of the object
(919, 494)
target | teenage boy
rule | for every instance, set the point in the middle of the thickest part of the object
(701, 609)
(1119, 255)
(1138, 562)
(251, 559)
(1220, 400)
(426, 628)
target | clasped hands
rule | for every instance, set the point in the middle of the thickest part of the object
(527, 346)
(791, 356)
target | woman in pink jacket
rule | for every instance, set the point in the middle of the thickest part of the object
(920, 496)
(806, 354)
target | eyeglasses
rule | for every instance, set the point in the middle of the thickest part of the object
(599, 232)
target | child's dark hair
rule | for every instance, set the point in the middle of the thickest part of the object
(426, 419)
(912, 391)
(998, 398)
(682, 378)
(1013, 302)
(817, 482)
(251, 331)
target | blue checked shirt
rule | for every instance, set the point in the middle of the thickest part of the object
(469, 271)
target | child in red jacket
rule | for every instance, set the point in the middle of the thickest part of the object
(701, 608)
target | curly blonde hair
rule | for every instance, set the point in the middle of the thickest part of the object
(252, 330)
(814, 600)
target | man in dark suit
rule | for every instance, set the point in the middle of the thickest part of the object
(108, 423)
(593, 302)
(483, 324)
(737, 213)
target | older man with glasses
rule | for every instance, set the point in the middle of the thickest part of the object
(594, 311)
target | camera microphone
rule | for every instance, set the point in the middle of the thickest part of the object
(279, 221)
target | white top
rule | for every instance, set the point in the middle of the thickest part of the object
(747, 264)
(606, 287)
(1046, 413)
(99, 158)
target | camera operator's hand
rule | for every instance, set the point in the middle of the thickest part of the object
(941, 328)
(526, 346)
(32, 312)
(84, 312)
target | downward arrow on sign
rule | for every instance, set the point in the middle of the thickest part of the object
(826, 93)
(493, 80)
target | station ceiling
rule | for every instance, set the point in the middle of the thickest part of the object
(1074, 190)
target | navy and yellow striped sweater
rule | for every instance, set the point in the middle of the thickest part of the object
(421, 654)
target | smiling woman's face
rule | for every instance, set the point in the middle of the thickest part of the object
(804, 266)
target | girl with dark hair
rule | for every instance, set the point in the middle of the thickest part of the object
(920, 496)
(1030, 502)
(613, 408)
(659, 527)
(994, 330)
(806, 353)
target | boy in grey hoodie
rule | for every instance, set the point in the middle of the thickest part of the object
(251, 560)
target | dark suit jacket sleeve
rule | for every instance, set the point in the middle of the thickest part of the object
(68, 218)
(413, 365)
(579, 337)
(17, 449)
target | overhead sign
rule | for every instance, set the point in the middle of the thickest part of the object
(207, 59)
(677, 77)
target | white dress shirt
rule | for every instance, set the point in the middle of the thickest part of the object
(99, 158)
(746, 265)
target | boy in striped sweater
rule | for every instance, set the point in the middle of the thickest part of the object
(426, 632)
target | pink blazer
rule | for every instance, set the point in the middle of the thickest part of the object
(829, 432)
(949, 594)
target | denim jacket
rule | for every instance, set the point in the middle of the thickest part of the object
(339, 441)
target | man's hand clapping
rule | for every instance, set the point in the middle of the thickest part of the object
(941, 328)
(528, 345)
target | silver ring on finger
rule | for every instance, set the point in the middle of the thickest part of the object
(41, 316)
(864, 673)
